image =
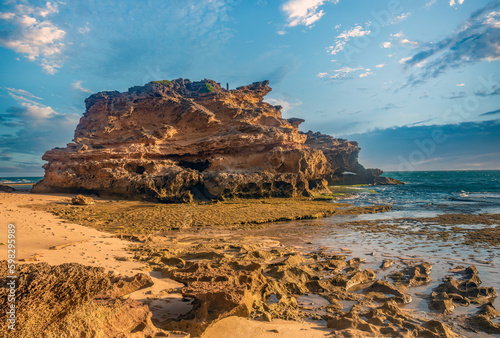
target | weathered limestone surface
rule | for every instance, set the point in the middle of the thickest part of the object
(179, 140)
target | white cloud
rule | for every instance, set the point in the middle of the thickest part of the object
(492, 19)
(346, 73)
(347, 70)
(23, 92)
(77, 85)
(83, 30)
(453, 2)
(400, 18)
(342, 39)
(304, 12)
(50, 8)
(412, 44)
(353, 33)
(32, 108)
(460, 84)
(6, 16)
(38, 111)
(430, 3)
(35, 37)
(366, 73)
(403, 60)
(402, 40)
(285, 105)
(380, 65)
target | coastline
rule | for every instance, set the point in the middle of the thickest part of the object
(310, 239)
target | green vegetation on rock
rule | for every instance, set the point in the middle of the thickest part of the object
(206, 88)
(163, 82)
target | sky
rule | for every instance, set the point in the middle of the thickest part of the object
(416, 83)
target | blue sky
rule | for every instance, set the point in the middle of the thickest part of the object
(415, 82)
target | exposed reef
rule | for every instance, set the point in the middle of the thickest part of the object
(173, 141)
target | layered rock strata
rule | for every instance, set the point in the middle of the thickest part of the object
(179, 140)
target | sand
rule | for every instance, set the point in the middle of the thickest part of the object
(43, 237)
(38, 231)
(236, 327)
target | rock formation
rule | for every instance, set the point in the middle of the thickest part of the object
(172, 141)
(73, 300)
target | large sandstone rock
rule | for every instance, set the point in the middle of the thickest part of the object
(172, 141)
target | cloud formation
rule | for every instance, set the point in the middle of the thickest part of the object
(304, 12)
(400, 18)
(286, 105)
(490, 113)
(28, 32)
(401, 40)
(29, 129)
(342, 39)
(476, 40)
(474, 143)
(30, 108)
(457, 2)
(77, 85)
(345, 73)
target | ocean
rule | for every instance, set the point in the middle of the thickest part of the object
(20, 183)
(428, 193)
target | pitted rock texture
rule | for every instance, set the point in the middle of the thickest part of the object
(179, 140)
(73, 300)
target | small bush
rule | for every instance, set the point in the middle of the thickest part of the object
(206, 88)
(163, 82)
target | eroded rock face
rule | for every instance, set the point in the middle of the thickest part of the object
(58, 301)
(175, 141)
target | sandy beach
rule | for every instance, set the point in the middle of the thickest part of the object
(43, 237)
(324, 268)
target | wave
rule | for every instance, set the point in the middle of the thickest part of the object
(19, 180)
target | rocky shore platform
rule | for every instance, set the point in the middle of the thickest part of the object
(195, 272)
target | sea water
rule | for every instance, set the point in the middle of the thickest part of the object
(428, 193)
(20, 183)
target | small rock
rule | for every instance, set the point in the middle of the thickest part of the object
(82, 200)
(6, 188)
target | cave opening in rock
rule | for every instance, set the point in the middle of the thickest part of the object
(195, 165)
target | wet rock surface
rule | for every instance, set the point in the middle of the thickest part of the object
(175, 141)
(262, 280)
(446, 228)
(128, 217)
(460, 292)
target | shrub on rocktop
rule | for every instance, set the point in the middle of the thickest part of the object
(206, 88)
